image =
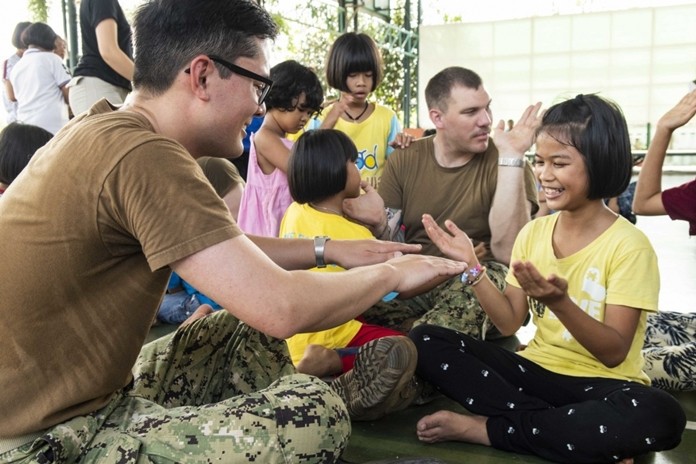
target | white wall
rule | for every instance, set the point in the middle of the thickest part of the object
(641, 58)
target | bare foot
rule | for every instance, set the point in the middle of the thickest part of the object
(319, 361)
(202, 311)
(450, 426)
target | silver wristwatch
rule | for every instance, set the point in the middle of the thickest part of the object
(514, 162)
(319, 244)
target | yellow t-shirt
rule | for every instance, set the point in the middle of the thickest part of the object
(303, 221)
(617, 268)
(371, 137)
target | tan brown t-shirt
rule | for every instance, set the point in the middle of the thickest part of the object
(415, 183)
(88, 231)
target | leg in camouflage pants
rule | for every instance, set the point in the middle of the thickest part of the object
(214, 391)
(450, 304)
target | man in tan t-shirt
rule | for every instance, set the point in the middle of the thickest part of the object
(91, 231)
(486, 189)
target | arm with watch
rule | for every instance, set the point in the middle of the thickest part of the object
(257, 285)
(291, 254)
(510, 209)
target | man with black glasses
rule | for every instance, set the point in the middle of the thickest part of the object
(90, 233)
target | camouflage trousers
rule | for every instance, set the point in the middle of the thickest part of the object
(214, 391)
(450, 304)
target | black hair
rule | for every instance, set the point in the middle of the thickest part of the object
(290, 80)
(170, 33)
(40, 35)
(353, 53)
(440, 86)
(596, 128)
(17, 35)
(317, 164)
(18, 142)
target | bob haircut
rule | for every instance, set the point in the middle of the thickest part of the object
(290, 80)
(317, 165)
(353, 53)
(596, 128)
(40, 35)
(18, 143)
(17, 35)
(440, 86)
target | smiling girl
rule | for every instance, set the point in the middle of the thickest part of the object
(577, 392)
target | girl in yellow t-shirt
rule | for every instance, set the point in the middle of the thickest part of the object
(577, 392)
(355, 69)
(321, 174)
(374, 364)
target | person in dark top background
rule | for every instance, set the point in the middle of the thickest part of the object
(105, 69)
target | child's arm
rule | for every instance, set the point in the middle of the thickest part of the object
(609, 341)
(648, 196)
(332, 116)
(507, 311)
(271, 152)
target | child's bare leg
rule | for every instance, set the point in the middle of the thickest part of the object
(450, 426)
(319, 361)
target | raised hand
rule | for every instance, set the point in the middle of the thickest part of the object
(520, 138)
(681, 113)
(453, 242)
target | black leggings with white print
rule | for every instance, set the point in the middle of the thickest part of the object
(532, 410)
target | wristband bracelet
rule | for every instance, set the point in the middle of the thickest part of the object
(473, 275)
(319, 245)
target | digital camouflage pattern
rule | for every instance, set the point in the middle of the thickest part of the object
(450, 304)
(214, 391)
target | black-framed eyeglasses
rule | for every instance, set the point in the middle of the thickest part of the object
(261, 90)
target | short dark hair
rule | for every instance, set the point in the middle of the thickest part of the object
(317, 164)
(17, 35)
(440, 86)
(595, 127)
(290, 80)
(18, 143)
(353, 53)
(169, 33)
(40, 35)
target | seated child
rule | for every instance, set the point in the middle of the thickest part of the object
(321, 174)
(577, 393)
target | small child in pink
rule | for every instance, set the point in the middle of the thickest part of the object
(296, 95)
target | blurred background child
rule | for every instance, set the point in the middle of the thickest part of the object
(296, 95)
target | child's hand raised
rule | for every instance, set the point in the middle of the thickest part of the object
(548, 291)
(454, 243)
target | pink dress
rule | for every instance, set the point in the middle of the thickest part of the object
(265, 197)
